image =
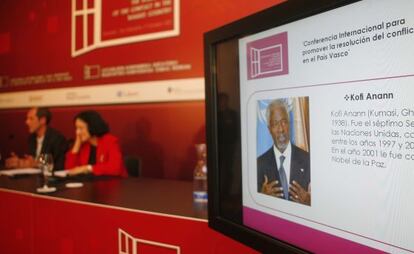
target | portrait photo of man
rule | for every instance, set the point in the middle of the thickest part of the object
(283, 169)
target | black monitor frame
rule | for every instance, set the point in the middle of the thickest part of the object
(278, 15)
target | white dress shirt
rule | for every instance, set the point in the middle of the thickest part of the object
(39, 144)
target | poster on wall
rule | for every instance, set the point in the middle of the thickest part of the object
(132, 49)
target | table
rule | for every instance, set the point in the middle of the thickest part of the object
(146, 194)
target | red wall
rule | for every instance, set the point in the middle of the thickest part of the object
(163, 135)
(35, 39)
(28, 45)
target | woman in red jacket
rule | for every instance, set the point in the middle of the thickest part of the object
(95, 150)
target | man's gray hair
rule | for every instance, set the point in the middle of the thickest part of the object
(278, 103)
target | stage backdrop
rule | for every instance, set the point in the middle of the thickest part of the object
(146, 55)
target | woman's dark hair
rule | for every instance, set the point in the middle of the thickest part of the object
(96, 125)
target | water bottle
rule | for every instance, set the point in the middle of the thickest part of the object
(200, 175)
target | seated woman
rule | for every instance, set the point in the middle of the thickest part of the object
(95, 150)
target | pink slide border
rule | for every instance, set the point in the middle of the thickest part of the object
(304, 237)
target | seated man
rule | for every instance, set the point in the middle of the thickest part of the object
(42, 139)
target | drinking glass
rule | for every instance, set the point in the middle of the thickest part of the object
(46, 165)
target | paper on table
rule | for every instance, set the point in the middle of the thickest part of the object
(20, 171)
(61, 173)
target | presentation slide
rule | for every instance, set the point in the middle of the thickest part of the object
(327, 126)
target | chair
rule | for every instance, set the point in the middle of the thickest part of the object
(133, 166)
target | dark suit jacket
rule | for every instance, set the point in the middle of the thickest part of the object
(299, 168)
(54, 143)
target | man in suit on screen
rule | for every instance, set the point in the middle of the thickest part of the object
(283, 171)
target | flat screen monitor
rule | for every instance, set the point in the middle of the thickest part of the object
(310, 127)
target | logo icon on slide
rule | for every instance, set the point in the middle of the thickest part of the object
(128, 244)
(267, 57)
